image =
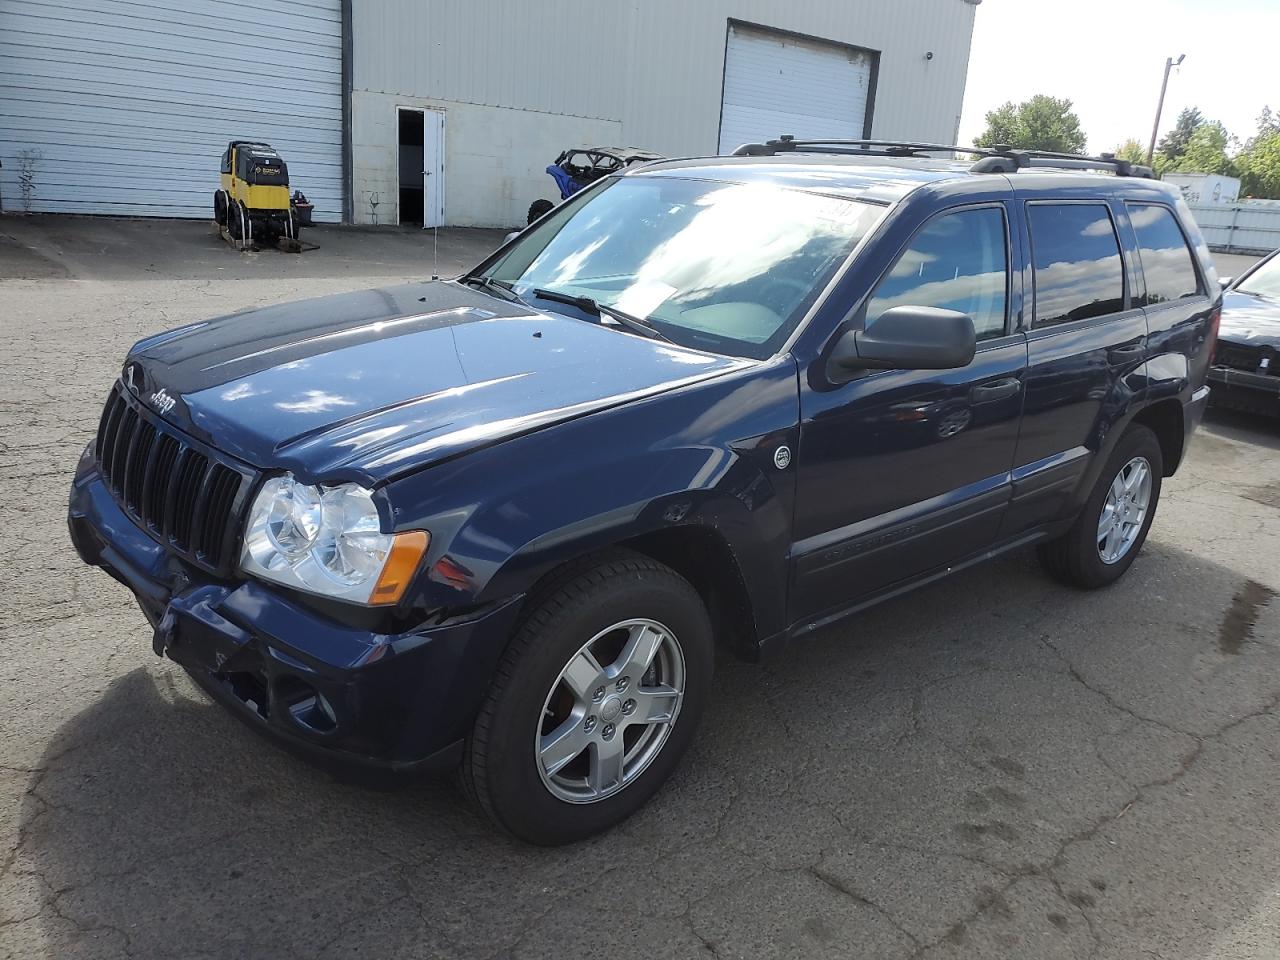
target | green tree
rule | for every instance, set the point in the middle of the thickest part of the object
(1259, 166)
(1175, 142)
(1206, 151)
(1041, 123)
(1268, 125)
(1132, 150)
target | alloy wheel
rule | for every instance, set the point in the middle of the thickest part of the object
(1124, 510)
(610, 711)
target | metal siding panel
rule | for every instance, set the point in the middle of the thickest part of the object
(506, 53)
(676, 109)
(130, 103)
(1253, 225)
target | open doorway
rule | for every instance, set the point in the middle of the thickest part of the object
(421, 144)
(412, 192)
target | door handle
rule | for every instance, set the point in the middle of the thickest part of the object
(1126, 354)
(996, 390)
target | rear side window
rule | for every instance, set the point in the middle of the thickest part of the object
(1167, 265)
(1076, 257)
(958, 261)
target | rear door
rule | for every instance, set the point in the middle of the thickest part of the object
(1087, 340)
(1175, 295)
(904, 471)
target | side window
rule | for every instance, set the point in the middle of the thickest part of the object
(1076, 260)
(1167, 265)
(958, 261)
(226, 160)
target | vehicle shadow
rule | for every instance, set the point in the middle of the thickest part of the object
(994, 762)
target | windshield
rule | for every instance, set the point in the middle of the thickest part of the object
(1265, 281)
(727, 267)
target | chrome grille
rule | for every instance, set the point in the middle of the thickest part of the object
(179, 494)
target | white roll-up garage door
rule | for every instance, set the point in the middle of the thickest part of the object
(776, 84)
(125, 106)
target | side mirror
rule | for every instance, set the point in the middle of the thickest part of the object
(1225, 281)
(909, 338)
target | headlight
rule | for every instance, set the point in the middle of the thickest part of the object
(327, 540)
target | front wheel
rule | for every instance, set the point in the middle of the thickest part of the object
(1106, 537)
(594, 702)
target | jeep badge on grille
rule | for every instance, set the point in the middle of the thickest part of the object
(162, 401)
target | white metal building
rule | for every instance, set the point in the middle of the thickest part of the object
(442, 111)
(508, 84)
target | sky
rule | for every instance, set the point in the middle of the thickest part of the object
(1107, 57)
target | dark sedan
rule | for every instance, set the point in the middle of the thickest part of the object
(1246, 364)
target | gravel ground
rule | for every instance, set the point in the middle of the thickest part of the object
(995, 766)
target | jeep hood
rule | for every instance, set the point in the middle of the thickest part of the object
(367, 386)
(1250, 320)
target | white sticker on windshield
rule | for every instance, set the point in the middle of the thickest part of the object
(837, 211)
(643, 297)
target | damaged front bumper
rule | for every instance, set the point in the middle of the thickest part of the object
(359, 701)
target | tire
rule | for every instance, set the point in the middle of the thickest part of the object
(239, 225)
(235, 221)
(220, 207)
(504, 769)
(1077, 557)
(539, 208)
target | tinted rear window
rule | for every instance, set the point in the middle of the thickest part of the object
(1166, 261)
(1078, 270)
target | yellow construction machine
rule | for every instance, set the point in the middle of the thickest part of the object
(253, 207)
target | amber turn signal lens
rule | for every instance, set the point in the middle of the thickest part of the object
(402, 563)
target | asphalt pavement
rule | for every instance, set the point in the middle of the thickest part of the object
(994, 766)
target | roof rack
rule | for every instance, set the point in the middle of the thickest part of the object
(997, 159)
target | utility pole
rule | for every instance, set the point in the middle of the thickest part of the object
(1169, 64)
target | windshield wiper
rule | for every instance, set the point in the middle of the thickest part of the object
(589, 305)
(499, 288)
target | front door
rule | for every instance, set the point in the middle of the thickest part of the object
(905, 471)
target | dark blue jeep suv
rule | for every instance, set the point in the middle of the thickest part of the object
(499, 521)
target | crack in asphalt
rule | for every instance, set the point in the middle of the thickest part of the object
(1079, 678)
(838, 885)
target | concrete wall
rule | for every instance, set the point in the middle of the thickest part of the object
(521, 81)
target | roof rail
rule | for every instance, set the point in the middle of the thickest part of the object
(997, 159)
(883, 148)
(1002, 159)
